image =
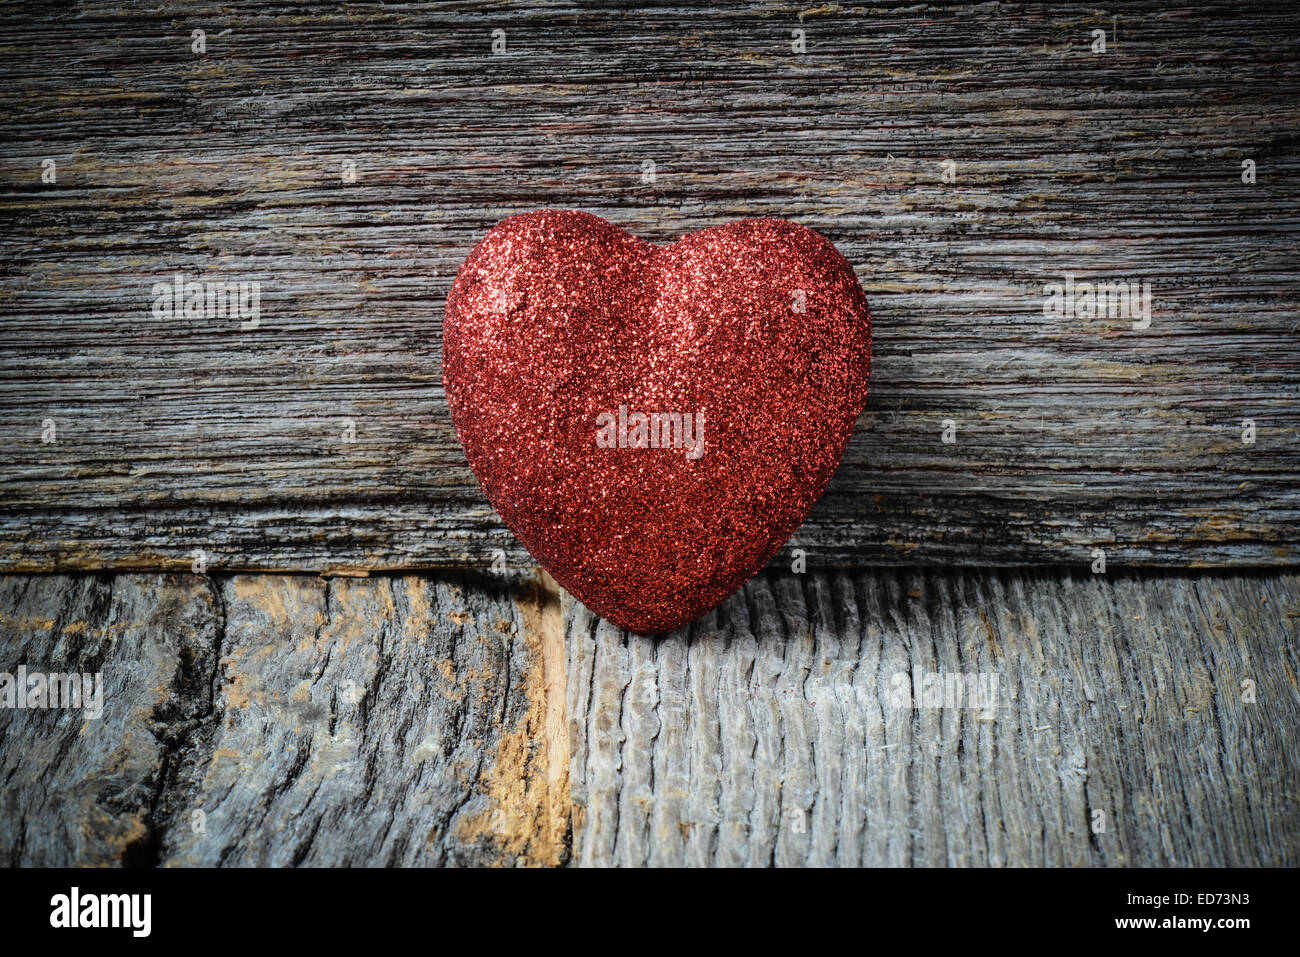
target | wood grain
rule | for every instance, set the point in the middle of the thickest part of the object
(411, 720)
(183, 434)
(281, 721)
(1133, 722)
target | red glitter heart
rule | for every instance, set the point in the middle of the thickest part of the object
(561, 328)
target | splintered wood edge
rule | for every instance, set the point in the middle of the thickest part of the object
(532, 766)
(554, 660)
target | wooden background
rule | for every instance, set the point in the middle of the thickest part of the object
(175, 435)
(420, 720)
(1120, 733)
(435, 713)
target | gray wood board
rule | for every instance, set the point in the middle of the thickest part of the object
(176, 434)
(279, 720)
(409, 719)
(796, 725)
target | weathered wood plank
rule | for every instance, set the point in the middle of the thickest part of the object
(413, 720)
(77, 790)
(1132, 721)
(281, 720)
(177, 434)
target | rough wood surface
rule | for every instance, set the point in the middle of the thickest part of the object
(413, 720)
(173, 435)
(1136, 722)
(281, 720)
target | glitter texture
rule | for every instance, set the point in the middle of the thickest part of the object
(559, 322)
